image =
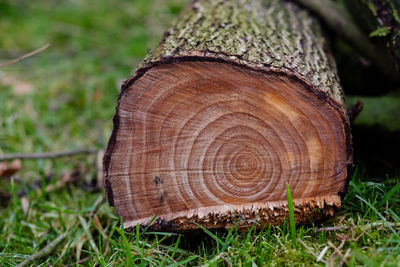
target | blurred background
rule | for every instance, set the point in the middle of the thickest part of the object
(65, 97)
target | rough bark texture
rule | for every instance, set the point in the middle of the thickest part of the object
(381, 15)
(338, 19)
(268, 35)
(275, 54)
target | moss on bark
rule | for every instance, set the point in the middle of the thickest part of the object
(381, 19)
(271, 35)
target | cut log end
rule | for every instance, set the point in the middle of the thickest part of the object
(203, 142)
(307, 210)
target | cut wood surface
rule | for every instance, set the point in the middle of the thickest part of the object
(239, 98)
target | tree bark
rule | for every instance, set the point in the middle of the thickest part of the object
(381, 19)
(342, 23)
(238, 98)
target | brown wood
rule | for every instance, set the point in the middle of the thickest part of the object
(196, 137)
(202, 137)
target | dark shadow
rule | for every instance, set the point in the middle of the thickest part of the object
(376, 151)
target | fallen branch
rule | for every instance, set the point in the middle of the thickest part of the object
(43, 252)
(340, 21)
(50, 154)
(25, 56)
(250, 53)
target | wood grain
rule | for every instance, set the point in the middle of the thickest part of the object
(194, 135)
(238, 98)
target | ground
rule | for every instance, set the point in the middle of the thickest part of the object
(65, 97)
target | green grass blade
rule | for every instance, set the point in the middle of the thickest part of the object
(292, 224)
(127, 246)
(176, 246)
(184, 262)
(216, 238)
(149, 224)
(92, 243)
(380, 215)
(388, 195)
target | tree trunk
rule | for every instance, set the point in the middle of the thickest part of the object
(239, 98)
(380, 18)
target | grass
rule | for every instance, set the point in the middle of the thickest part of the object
(98, 238)
(292, 224)
(65, 97)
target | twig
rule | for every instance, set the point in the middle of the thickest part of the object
(340, 21)
(50, 154)
(332, 228)
(322, 254)
(43, 252)
(337, 249)
(369, 225)
(344, 259)
(309, 249)
(337, 252)
(354, 110)
(25, 56)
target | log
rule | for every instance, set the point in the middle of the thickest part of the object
(341, 22)
(238, 98)
(381, 19)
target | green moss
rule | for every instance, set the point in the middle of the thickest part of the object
(381, 19)
(269, 35)
(383, 31)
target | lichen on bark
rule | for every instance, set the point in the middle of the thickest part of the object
(374, 15)
(271, 35)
